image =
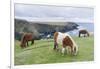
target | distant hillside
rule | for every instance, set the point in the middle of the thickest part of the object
(25, 26)
(46, 28)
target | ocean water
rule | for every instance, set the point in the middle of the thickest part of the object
(87, 26)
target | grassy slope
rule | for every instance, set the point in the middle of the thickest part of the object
(42, 52)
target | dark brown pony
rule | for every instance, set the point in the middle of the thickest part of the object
(84, 32)
(25, 38)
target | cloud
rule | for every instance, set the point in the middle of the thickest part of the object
(41, 12)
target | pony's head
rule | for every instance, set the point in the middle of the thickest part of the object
(75, 50)
(88, 33)
(22, 44)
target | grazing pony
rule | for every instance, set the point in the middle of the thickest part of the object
(65, 40)
(84, 32)
(25, 38)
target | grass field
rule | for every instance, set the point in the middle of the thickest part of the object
(42, 52)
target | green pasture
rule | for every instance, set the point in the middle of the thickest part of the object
(42, 52)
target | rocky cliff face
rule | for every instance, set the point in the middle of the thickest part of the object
(46, 28)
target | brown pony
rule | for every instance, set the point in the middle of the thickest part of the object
(65, 40)
(84, 32)
(25, 38)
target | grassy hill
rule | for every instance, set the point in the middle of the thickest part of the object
(42, 52)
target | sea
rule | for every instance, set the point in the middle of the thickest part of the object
(88, 26)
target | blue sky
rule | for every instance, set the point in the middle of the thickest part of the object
(53, 13)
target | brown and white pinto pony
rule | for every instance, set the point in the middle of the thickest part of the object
(25, 38)
(84, 32)
(65, 40)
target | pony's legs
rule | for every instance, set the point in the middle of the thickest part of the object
(79, 34)
(27, 43)
(32, 42)
(72, 50)
(84, 35)
(63, 50)
(55, 45)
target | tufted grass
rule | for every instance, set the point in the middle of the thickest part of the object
(42, 52)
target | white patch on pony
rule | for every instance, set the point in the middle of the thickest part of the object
(60, 38)
(63, 50)
(68, 49)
